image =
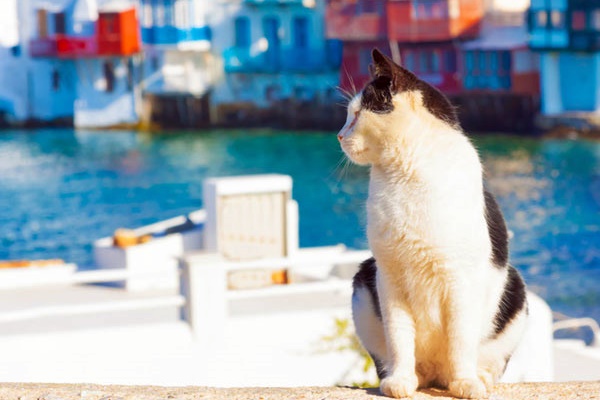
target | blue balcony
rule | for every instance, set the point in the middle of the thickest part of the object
(286, 60)
(172, 36)
(274, 2)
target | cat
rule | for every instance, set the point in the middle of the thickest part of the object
(438, 305)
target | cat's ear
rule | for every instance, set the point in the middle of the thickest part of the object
(384, 67)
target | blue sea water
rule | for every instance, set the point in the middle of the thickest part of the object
(60, 190)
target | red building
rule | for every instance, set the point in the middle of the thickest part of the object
(417, 21)
(116, 33)
(423, 34)
(361, 25)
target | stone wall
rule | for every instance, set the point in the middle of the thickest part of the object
(41, 391)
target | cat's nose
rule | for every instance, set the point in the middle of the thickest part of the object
(340, 137)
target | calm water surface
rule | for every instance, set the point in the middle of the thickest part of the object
(60, 190)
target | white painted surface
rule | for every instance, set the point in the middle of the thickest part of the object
(258, 348)
(160, 256)
(533, 359)
(12, 278)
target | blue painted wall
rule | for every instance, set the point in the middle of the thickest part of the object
(170, 22)
(269, 38)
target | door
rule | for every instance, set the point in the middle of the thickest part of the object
(578, 81)
(271, 33)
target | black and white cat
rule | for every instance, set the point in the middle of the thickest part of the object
(438, 305)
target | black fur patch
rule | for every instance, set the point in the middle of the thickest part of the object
(513, 300)
(496, 230)
(366, 278)
(389, 78)
(379, 367)
(377, 97)
(438, 104)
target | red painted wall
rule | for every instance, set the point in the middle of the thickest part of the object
(118, 33)
(405, 26)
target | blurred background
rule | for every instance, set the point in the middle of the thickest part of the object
(114, 113)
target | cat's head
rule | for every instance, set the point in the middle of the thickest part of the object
(390, 111)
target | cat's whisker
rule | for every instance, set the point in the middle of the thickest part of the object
(345, 94)
(338, 166)
(352, 85)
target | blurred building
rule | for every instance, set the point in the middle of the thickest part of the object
(179, 66)
(566, 34)
(74, 62)
(277, 63)
(424, 35)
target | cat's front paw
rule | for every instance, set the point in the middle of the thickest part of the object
(399, 386)
(468, 389)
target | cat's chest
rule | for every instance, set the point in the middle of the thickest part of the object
(395, 209)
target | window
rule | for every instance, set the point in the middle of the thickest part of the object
(109, 76)
(42, 23)
(578, 20)
(168, 10)
(430, 9)
(130, 74)
(369, 6)
(301, 32)
(159, 13)
(483, 61)
(409, 60)
(470, 61)
(55, 80)
(426, 61)
(182, 14)
(595, 20)
(557, 19)
(435, 62)
(505, 61)
(541, 19)
(242, 32)
(109, 23)
(450, 60)
(60, 24)
(147, 13)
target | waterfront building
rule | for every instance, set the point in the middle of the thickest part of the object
(179, 67)
(499, 73)
(10, 78)
(566, 34)
(361, 26)
(76, 61)
(277, 63)
(422, 35)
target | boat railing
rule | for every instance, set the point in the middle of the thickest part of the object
(578, 323)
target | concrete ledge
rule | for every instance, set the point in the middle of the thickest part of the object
(43, 391)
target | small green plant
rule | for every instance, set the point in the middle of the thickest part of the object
(343, 339)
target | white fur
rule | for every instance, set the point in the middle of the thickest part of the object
(437, 287)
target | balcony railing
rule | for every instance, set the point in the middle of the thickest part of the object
(171, 35)
(280, 2)
(63, 46)
(300, 60)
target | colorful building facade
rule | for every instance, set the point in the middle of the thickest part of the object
(177, 46)
(76, 62)
(273, 52)
(421, 34)
(566, 34)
